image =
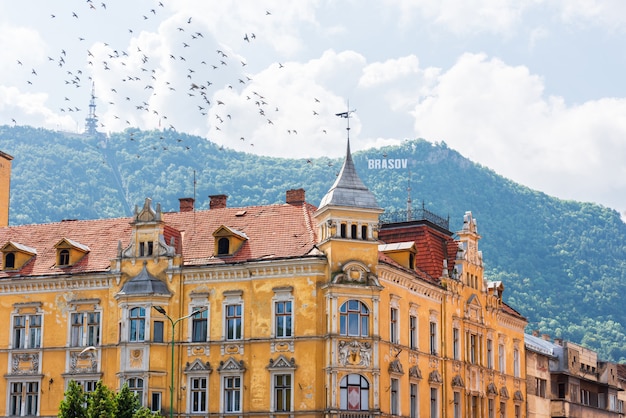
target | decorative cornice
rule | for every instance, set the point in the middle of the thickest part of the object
(54, 284)
(255, 270)
(410, 283)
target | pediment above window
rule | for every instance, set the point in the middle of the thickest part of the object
(198, 366)
(281, 363)
(231, 365)
(15, 255)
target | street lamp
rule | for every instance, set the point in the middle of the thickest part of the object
(160, 310)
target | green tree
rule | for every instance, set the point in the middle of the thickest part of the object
(73, 404)
(101, 402)
(127, 403)
(144, 412)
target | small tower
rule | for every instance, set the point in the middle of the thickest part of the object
(348, 217)
(91, 121)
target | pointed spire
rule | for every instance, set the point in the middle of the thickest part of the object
(348, 189)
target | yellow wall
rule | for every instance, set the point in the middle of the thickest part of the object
(5, 187)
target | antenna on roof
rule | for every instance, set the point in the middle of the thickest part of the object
(409, 208)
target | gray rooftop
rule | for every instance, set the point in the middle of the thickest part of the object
(144, 284)
(348, 189)
(539, 345)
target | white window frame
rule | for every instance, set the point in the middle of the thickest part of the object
(23, 397)
(224, 388)
(200, 391)
(283, 295)
(274, 393)
(414, 400)
(84, 329)
(205, 316)
(233, 297)
(394, 396)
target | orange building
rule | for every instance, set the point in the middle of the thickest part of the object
(279, 310)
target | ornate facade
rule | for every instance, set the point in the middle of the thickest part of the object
(279, 310)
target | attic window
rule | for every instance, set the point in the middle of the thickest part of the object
(223, 245)
(64, 257)
(9, 261)
(240, 213)
(146, 248)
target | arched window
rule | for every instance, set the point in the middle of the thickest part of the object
(354, 319)
(354, 393)
(9, 261)
(223, 245)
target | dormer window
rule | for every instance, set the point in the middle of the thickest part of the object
(64, 258)
(70, 252)
(15, 255)
(9, 261)
(228, 241)
(146, 248)
(223, 245)
(402, 253)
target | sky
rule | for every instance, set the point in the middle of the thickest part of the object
(532, 89)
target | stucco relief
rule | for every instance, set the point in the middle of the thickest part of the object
(354, 353)
(23, 363)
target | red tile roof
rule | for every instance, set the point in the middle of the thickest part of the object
(273, 231)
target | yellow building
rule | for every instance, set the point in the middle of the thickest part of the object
(279, 310)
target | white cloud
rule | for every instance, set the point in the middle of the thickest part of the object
(498, 115)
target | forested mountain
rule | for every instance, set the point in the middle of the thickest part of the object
(563, 263)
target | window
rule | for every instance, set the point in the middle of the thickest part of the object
(199, 326)
(434, 403)
(395, 397)
(501, 362)
(473, 346)
(413, 332)
(9, 261)
(502, 409)
(354, 319)
(135, 384)
(198, 394)
(137, 328)
(433, 338)
(343, 230)
(85, 330)
(585, 397)
(455, 344)
(64, 257)
(282, 392)
(491, 413)
(489, 353)
(393, 326)
(232, 394)
(27, 331)
(354, 393)
(155, 404)
(145, 248)
(457, 405)
(413, 401)
(157, 334)
(87, 385)
(364, 232)
(540, 387)
(353, 229)
(24, 399)
(518, 411)
(233, 322)
(283, 315)
(223, 245)
(516, 363)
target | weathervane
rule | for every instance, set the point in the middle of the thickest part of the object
(346, 115)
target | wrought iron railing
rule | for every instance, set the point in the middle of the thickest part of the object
(415, 214)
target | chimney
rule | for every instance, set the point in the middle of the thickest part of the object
(545, 337)
(5, 186)
(535, 333)
(218, 201)
(295, 196)
(186, 204)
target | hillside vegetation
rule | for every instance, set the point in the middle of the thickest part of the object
(563, 263)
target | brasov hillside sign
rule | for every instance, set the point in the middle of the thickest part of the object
(387, 164)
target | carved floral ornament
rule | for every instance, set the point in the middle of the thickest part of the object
(354, 353)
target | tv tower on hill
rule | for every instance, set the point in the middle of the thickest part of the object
(91, 121)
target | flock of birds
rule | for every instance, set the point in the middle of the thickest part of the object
(212, 75)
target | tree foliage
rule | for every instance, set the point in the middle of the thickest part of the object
(73, 404)
(563, 262)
